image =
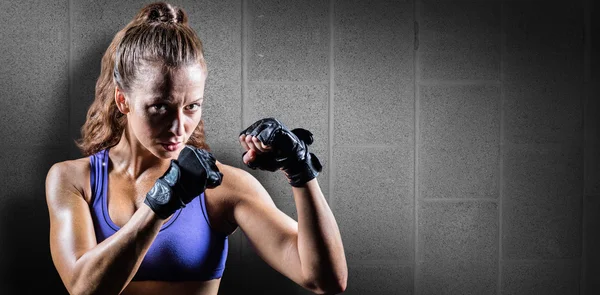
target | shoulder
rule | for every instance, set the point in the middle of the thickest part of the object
(239, 184)
(239, 187)
(70, 175)
(235, 180)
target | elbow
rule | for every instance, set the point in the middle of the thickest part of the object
(84, 288)
(79, 286)
(72, 286)
(74, 289)
(336, 288)
(78, 289)
(330, 289)
(75, 285)
(337, 284)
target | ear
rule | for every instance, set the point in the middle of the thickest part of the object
(121, 101)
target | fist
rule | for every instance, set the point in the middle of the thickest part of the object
(198, 171)
(187, 177)
(270, 145)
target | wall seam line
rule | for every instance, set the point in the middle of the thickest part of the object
(70, 74)
(587, 47)
(244, 86)
(416, 93)
(331, 98)
(244, 56)
(501, 148)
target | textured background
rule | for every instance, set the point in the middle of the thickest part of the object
(460, 138)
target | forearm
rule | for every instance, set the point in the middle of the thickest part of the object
(110, 266)
(319, 241)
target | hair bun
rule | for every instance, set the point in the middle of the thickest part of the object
(162, 12)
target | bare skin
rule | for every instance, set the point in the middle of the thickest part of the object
(309, 252)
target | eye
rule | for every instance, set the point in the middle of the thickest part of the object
(158, 108)
(193, 107)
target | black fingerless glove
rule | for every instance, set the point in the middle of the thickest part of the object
(289, 151)
(191, 174)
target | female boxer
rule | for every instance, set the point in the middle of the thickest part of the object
(149, 209)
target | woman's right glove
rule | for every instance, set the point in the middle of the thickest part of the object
(191, 174)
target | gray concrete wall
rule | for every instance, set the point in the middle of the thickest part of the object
(460, 138)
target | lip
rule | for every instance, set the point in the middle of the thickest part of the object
(171, 145)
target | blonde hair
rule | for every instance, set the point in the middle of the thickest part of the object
(159, 33)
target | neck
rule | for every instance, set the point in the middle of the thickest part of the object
(133, 159)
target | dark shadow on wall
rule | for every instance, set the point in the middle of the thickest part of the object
(259, 278)
(26, 266)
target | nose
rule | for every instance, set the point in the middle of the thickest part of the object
(177, 125)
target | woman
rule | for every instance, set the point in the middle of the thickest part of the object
(149, 209)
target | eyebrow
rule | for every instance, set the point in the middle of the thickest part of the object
(161, 99)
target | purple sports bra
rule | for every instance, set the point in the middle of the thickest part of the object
(186, 247)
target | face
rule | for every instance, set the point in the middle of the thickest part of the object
(164, 108)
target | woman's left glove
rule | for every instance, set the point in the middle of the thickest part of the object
(288, 152)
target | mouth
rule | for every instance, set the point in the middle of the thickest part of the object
(171, 146)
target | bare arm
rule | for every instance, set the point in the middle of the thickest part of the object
(310, 251)
(84, 266)
(319, 243)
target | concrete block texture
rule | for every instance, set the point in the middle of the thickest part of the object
(543, 26)
(95, 23)
(373, 202)
(24, 170)
(366, 114)
(458, 247)
(459, 40)
(459, 141)
(373, 60)
(380, 279)
(543, 71)
(543, 112)
(296, 106)
(34, 73)
(553, 277)
(543, 41)
(219, 26)
(222, 114)
(592, 110)
(542, 202)
(373, 42)
(543, 68)
(592, 168)
(300, 49)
